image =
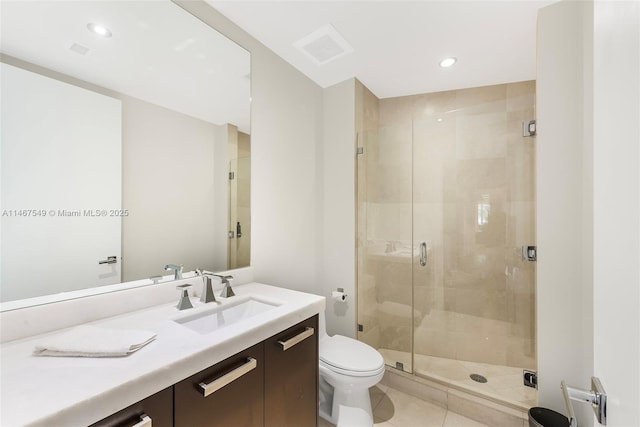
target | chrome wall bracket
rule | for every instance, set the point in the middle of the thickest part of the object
(529, 128)
(597, 397)
(529, 253)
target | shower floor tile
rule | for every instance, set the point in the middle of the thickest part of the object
(504, 383)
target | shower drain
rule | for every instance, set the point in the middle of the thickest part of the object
(478, 378)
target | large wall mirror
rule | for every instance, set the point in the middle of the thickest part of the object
(125, 145)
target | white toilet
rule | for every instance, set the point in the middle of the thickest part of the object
(348, 368)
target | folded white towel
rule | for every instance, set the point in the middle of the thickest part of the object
(92, 341)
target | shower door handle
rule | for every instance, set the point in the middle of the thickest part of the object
(423, 254)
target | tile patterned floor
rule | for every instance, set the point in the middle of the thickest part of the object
(393, 408)
(504, 382)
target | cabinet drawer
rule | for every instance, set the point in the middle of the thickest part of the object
(156, 409)
(291, 377)
(228, 394)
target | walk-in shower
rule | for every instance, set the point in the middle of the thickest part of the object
(446, 202)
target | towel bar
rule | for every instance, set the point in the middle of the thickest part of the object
(597, 397)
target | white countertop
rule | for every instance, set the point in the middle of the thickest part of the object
(72, 391)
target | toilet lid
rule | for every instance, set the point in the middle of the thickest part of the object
(349, 354)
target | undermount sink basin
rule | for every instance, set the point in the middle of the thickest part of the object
(211, 319)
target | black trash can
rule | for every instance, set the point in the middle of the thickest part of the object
(543, 417)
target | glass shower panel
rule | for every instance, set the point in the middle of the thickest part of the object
(385, 255)
(239, 245)
(473, 174)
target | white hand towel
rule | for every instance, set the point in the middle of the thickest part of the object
(92, 341)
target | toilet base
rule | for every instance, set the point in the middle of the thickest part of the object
(349, 408)
(349, 416)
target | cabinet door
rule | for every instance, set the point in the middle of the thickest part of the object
(291, 376)
(227, 394)
(156, 409)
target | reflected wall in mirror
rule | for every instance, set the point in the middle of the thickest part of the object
(119, 154)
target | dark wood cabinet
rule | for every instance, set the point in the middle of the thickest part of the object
(156, 409)
(291, 376)
(273, 383)
(228, 394)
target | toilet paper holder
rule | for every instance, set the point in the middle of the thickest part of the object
(597, 397)
(339, 295)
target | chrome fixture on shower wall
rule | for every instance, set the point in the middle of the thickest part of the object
(529, 128)
(529, 253)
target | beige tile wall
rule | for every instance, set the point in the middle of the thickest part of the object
(366, 113)
(451, 169)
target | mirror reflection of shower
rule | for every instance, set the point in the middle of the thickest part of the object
(239, 191)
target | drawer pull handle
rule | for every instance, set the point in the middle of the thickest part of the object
(145, 421)
(308, 331)
(228, 378)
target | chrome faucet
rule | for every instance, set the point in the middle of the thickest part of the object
(207, 289)
(177, 270)
(227, 292)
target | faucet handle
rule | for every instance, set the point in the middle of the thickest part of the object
(184, 302)
(225, 278)
(226, 291)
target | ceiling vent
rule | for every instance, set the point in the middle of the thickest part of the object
(324, 45)
(79, 49)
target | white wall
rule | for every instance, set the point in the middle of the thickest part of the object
(589, 204)
(168, 168)
(564, 235)
(54, 161)
(286, 174)
(616, 206)
(338, 239)
(286, 169)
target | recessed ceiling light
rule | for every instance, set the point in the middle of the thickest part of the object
(439, 120)
(448, 62)
(98, 29)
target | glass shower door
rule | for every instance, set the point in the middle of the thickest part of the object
(446, 201)
(433, 164)
(385, 254)
(473, 210)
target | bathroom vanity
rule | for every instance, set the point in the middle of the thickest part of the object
(270, 386)
(261, 370)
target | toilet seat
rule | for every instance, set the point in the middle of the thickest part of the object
(346, 372)
(347, 356)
